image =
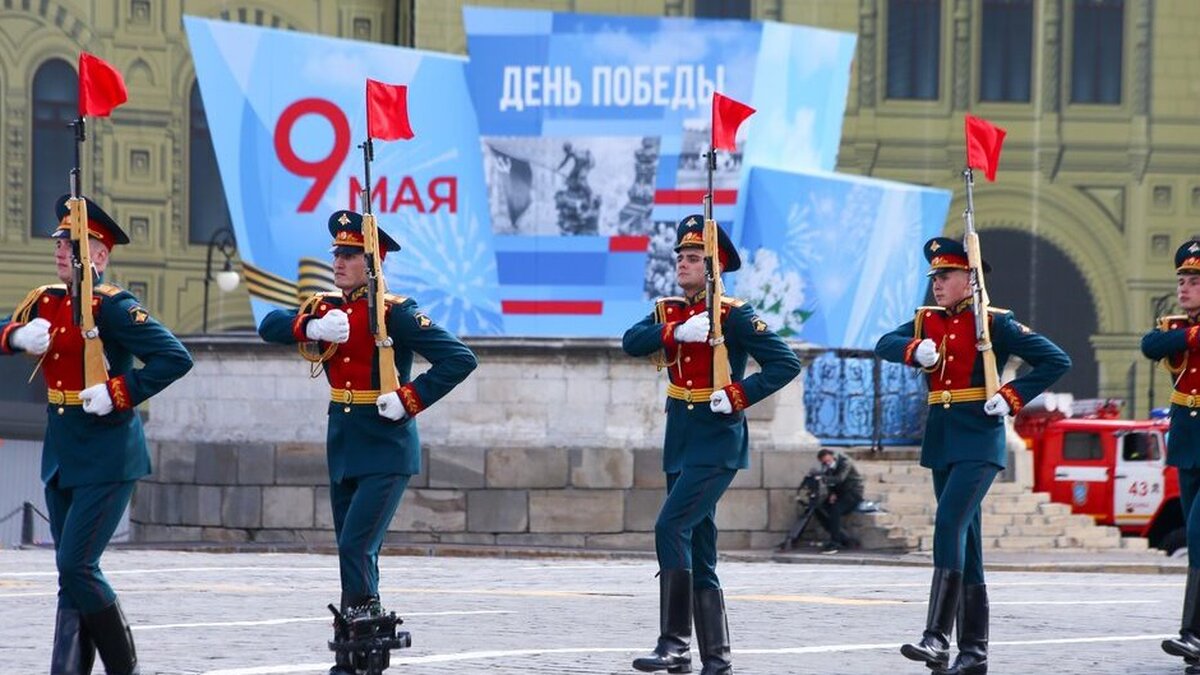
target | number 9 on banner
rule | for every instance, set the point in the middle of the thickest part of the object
(323, 170)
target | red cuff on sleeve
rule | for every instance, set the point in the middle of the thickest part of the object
(1193, 337)
(737, 396)
(410, 400)
(299, 324)
(5, 335)
(1012, 398)
(118, 391)
(910, 352)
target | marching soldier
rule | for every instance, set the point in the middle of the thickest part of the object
(372, 444)
(1174, 341)
(706, 444)
(963, 443)
(94, 449)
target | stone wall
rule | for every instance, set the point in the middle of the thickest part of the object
(548, 443)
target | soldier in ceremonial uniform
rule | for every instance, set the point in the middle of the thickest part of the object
(372, 444)
(963, 443)
(94, 449)
(706, 444)
(1176, 342)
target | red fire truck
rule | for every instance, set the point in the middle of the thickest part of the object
(1111, 469)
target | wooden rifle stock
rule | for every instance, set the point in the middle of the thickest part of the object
(716, 289)
(983, 329)
(94, 370)
(389, 379)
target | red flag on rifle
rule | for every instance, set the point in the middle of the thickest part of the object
(387, 111)
(101, 87)
(727, 116)
(983, 145)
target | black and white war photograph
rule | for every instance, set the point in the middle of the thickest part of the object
(598, 186)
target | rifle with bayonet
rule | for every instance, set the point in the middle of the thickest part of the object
(980, 301)
(389, 379)
(83, 274)
(714, 287)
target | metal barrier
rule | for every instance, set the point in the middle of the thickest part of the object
(852, 397)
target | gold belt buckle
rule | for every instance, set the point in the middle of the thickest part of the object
(347, 396)
(56, 397)
(1191, 401)
(946, 397)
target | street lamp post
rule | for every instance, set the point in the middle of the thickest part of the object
(227, 279)
(1159, 305)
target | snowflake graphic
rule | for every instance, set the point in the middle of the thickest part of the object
(777, 295)
(448, 266)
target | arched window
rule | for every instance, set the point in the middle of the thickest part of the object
(55, 105)
(207, 210)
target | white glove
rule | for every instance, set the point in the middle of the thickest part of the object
(390, 407)
(719, 402)
(96, 400)
(32, 338)
(694, 329)
(333, 327)
(996, 405)
(927, 353)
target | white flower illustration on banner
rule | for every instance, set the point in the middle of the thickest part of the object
(776, 295)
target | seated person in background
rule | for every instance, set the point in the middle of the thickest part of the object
(845, 493)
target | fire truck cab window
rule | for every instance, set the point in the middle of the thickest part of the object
(1139, 448)
(1082, 446)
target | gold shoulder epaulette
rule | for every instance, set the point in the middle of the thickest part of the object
(736, 302)
(394, 299)
(25, 307)
(660, 307)
(1164, 322)
(999, 310)
(107, 290)
(919, 318)
(311, 301)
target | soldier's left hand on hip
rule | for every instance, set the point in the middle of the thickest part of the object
(719, 402)
(96, 400)
(997, 406)
(390, 407)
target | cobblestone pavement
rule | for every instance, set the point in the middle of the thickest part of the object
(247, 614)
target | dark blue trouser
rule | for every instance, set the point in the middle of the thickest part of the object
(362, 509)
(685, 535)
(957, 529)
(82, 520)
(1189, 486)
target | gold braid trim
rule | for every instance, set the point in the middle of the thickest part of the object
(25, 309)
(308, 350)
(659, 358)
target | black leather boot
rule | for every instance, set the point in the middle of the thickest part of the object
(73, 652)
(675, 625)
(712, 631)
(1187, 645)
(972, 629)
(110, 632)
(934, 647)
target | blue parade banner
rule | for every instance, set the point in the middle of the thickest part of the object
(594, 129)
(540, 194)
(835, 260)
(286, 112)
